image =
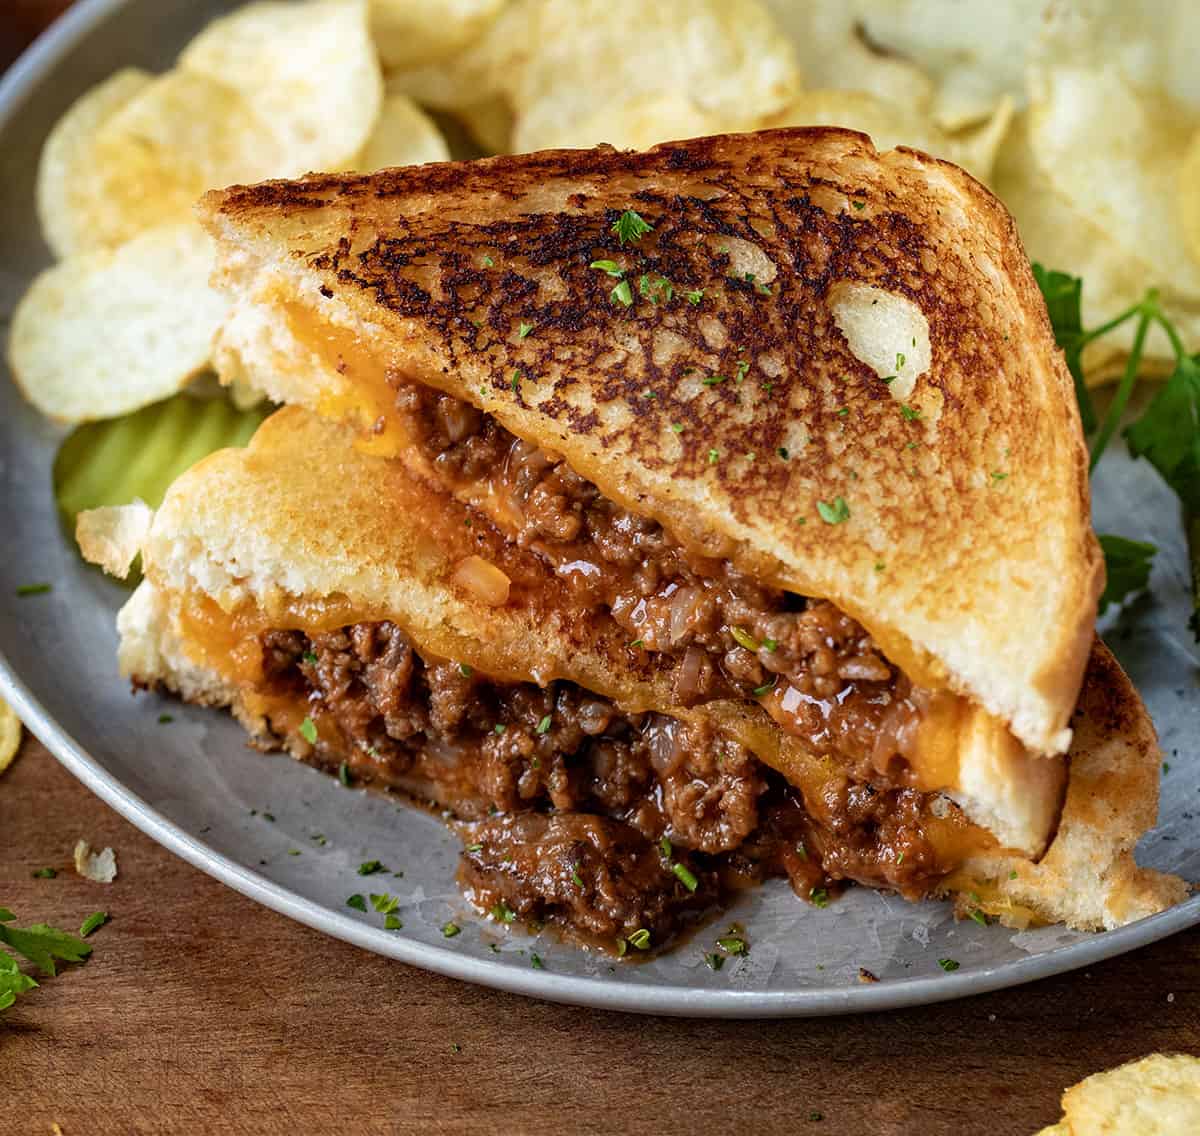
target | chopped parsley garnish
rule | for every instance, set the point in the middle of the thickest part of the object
(164, 719)
(622, 947)
(801, 851)
(369, 867)
(499, 728)
(835, 512)
(713, 380)
(978, 916)
(684, 875)
(743, 638)
(665, 846)
(294, 852)
(309, 657)
(609, 266)
(622, 294)
(487, 261)
(842, 412)
(44, 873)
(640, 939)
(783, 452)
(655, 288)
(770, 645)
(357, 902)
(502, 913)
(998, 476)
(714, 961)
(392, 923)
(742, 369)
(308, 731)
(714, 456)
(269, 816)
(543, 727)
(449, 930)
(576, 878)
(637, 643)
(948, 965)
(385, 904)
(630, 227)
(733, 945)
(694, 297)
(766, 687)
(1013, 874)
(474, 847)
(516, 381)
(910, 415)
(34, 589)
(465, 670)
(344, 773)
(524, 330)
(859, 204)
(677, 427)
(819, 897)
(535, 961)
(93, 922)
(899, 360)
(1127, 564)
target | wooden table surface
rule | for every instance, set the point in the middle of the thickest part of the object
(201, 1011)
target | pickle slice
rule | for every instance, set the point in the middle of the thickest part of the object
(138, 455)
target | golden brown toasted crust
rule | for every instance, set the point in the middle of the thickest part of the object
(1088, 876)
(968, 551)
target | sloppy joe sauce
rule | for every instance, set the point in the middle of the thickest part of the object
(570, 809)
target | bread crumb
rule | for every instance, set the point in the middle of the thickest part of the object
(99, 867)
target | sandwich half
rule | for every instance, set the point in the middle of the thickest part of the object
(789, 409)
(349, 613)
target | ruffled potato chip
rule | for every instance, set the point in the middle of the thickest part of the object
(726, 57)
(180, 135)
(10, 735)
(404, 135)
(411, 34)
(891, 124)
(1156, 1096)
(1188, 195)
(107, 331)
(489, 123)
(72, 203)
(307, 70)
(1057, 232)
(636, 125)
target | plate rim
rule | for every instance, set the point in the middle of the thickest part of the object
(593, 992)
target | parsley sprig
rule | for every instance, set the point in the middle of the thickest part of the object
(42, 945)
(1167, 434)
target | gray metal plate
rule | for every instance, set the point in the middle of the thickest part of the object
(192, 784)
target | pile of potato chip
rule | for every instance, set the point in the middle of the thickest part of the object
(1156, 1096)
(1083, 116)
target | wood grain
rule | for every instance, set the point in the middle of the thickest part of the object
(201, 1011)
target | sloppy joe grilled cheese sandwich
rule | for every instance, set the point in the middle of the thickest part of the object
(727, 498)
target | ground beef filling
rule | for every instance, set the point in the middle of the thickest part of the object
(575, 811)
(820, 673)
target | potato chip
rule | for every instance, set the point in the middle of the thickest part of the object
(891, 124)
(1115, 151)
(1188, 191)
(180, 135)
(410, 34)
(833, 53)
(307, 70)
(490, 124)
(404, 135)
(10, 735)
(727, 57)
(1156, 1096)
(107, 331)
(668, 116)
(71, 201)
(1058, 234)
(975, 51)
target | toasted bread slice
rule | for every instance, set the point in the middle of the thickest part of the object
(302, 530)
(813, 332)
